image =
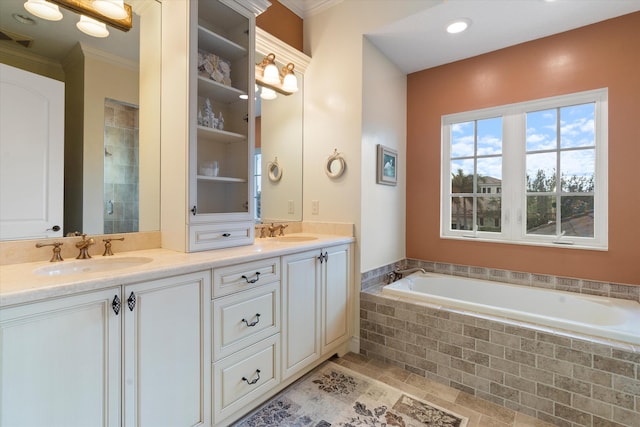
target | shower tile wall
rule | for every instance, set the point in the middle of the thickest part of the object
(120, 168)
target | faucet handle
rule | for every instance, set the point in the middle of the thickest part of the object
(282, 227)
(107, 246)
(56, 257)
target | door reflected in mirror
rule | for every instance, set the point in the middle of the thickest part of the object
(124, 67)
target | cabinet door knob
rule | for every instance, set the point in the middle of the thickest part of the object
(115, 304)
(252, 323)
(254, 380)
(252, 280)
(131, 301)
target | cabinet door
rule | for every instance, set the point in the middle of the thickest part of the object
(167, 352)
(336, 296)
(60, 362)
(300, 311)
(222, 82)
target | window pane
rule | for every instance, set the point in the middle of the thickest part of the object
(490, 136)
(489, 174)
(489, 213)
(576, 126)
(462, 140)
(462, 176)
(578, 170)
(541, 130)
(541, 215)
(577, 216)
(462, 213)
(541, 172)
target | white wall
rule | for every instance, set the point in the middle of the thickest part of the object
(384, 117)
(335, 119)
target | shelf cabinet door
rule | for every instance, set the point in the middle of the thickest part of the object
(60, 362)
(167, 352)
(221, 116)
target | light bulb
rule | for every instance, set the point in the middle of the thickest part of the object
(111, 8)
(290, 82)
(268, 94)
(271, 75)
(458, 26)
(92, 27)
(43, 9)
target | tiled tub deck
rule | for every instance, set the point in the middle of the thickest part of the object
(564, 379)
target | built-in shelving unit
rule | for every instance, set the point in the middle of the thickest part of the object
(222, 74)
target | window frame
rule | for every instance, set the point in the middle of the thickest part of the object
(513, 189)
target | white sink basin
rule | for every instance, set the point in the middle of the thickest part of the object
(91, 265)
(294, 238)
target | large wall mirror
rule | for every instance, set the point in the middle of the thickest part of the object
(111, 120)
(279, 138)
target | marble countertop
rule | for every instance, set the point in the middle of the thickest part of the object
(20, 284)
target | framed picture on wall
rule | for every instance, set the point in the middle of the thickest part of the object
(387, 169)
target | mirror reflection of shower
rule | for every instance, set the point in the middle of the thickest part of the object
(121, 167)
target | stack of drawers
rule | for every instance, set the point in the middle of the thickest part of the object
(246, 334)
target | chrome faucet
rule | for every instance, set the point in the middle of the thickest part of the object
(398, 273)
(84, 245)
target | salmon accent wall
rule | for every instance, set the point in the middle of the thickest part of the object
(282, 23)
(606, 54)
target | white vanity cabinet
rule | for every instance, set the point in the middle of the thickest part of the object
(316, 298)
(246, 334)
(60, 364)
(64, 360)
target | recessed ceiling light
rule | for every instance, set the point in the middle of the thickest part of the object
(458, 26)
(24, 19)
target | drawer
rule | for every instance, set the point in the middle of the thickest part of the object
(223, 235)
(244, 376)
(239, 277)
(244, 318)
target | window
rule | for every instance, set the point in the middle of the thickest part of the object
(528, 173)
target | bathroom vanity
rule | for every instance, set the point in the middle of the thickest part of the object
(162, 338)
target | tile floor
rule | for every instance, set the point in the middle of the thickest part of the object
(481, 413)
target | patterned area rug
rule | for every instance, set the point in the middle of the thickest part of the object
(333, 395)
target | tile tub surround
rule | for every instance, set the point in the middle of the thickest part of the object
(376, 277)
(562, 380)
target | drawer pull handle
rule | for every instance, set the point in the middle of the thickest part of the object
(252, 323)
(226, 234)
(254, 380)
(252, 280)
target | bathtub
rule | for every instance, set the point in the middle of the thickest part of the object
(608, 318)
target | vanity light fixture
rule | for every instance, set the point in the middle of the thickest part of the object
(268, 76)
(43, 9)
(458, 26)
(92, 27)
(111, 8)
(268, 94)
(105, 12)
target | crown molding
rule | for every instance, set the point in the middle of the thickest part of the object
(307, 8)
(266, 44)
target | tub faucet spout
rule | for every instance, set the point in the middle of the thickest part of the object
(398, 273)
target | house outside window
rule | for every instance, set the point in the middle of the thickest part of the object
(528, 173)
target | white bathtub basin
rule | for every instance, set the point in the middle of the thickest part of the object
(92, 265)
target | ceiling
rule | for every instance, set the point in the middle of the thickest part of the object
(420, 41)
